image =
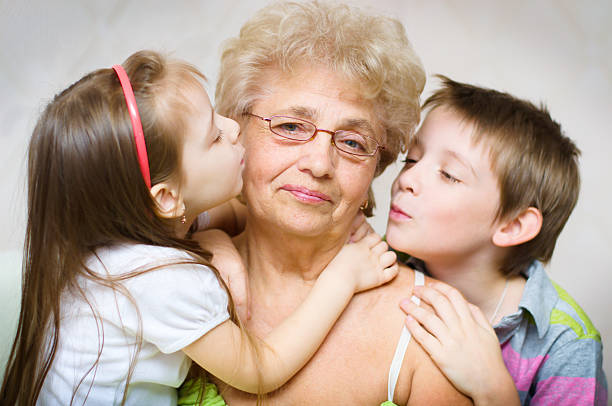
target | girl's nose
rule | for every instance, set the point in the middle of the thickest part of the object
(232, 128)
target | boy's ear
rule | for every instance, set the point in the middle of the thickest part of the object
(169, 203)
(520, 229)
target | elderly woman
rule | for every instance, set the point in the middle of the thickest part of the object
(326, 96)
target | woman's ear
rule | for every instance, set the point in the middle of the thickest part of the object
(169, 203)
(520, 229)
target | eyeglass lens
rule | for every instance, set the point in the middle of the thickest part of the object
(348, 141)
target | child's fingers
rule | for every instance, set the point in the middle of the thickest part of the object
(370, 240)
(479, 317)
(387, 259)
(459, 303)
(427, 319)
(355, 227)
(389, 273)
(429, 343)
(364, 229)
(441, 305)
(380, 247)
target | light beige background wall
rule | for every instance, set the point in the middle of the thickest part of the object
(556, 51)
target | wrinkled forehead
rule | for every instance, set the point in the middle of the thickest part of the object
(312, 92)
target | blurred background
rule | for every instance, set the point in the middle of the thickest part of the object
(554, 51)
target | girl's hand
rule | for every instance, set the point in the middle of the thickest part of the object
(228, 262)
(366, 264)
(360, 228)
(461, 342)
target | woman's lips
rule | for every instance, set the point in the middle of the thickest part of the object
(306, 195)
(397, 214)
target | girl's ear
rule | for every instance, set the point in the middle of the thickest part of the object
(520, 229)
(169, 203)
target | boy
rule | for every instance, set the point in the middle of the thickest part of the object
(488, 185)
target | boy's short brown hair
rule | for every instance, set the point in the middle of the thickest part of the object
(535, 163)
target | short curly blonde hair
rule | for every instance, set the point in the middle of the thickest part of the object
(369, 50)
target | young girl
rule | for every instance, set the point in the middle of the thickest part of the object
(117, 300)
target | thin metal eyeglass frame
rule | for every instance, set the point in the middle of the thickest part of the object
(314, 134)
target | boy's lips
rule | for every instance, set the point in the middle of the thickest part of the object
(398, 214)
(306, 195)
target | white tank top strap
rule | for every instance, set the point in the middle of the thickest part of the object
(402, 344)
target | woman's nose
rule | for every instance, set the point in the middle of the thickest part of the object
(316, 155)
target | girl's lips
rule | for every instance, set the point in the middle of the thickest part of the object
(306, 195)
(397, 214)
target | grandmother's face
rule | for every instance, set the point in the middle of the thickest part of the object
(307, 188)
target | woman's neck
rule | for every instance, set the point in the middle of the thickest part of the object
(281, 272)
(271, 254)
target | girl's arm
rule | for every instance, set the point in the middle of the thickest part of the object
(462, 343)
(226, 353)
(229, 217)
(228, 262)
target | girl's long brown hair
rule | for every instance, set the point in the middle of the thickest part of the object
(85, 191)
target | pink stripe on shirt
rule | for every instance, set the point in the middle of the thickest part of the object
(522, 370)
(564, 390)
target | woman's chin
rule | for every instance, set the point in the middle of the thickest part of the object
(305, 228)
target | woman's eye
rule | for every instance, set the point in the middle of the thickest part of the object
(290, 128)
(352, 142)
(354, 145)
(449, 177)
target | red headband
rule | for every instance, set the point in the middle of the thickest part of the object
(141, 147)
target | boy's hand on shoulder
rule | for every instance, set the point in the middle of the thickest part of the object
(461, 342)
(228, 262)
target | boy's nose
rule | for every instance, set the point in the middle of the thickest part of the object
(408, 180)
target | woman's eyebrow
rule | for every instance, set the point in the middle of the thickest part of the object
(300, 112)
(359, 123)
(312, 114)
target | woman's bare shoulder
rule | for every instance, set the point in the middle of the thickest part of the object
(352, 365)
(420, 381)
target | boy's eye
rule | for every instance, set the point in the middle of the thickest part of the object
(449, 177)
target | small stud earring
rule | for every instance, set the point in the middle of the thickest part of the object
(365, 205)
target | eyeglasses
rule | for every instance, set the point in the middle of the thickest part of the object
(298, 129)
